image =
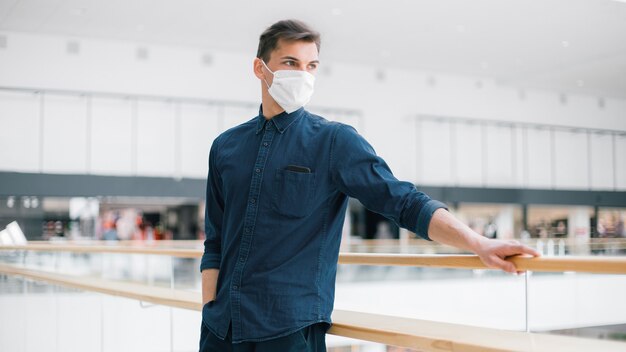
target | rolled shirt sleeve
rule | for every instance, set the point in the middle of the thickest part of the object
(358, 172)
(213, 215)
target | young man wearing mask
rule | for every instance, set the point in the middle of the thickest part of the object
(277, 192)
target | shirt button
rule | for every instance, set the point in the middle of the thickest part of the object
(252, 200)
(265, 144)
(247, 230)
(257, 170)
(235, 287)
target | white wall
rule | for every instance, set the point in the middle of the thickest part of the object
(555, 301)
(91, 322)
(82, 134)
(111, 120)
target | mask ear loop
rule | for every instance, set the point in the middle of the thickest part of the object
(264, 64)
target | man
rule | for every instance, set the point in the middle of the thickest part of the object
(277, 191)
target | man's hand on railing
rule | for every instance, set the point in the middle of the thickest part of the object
(445, 228)
(494, 252)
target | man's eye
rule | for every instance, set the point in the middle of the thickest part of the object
(312, 67)
(289, 63)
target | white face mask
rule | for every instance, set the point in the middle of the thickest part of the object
(291, 89)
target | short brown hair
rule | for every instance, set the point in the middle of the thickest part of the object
(289, 30)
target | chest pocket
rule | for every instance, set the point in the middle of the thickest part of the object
(293, 193)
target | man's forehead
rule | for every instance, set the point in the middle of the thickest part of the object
(299, 49)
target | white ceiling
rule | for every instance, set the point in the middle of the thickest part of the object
(570, 46)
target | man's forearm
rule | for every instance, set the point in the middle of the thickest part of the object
(447, 229)
(209, 284)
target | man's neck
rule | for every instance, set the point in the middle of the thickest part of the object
(270, 107)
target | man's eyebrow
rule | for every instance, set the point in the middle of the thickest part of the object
(296, 59)
(289, 58)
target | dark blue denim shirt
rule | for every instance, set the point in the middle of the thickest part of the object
(277, 192)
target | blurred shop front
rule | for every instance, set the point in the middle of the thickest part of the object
(104, 218)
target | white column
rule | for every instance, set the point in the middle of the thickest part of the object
(578, 223)
(578, 230)
(504, 222)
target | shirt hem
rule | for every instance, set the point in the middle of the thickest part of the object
(289, 332)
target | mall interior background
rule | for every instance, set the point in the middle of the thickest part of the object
(513, 113)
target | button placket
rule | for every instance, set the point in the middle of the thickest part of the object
(249, 222)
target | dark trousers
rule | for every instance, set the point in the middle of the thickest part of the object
(309, 339)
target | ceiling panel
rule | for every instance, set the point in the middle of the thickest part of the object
(29, 15)
(554, 43)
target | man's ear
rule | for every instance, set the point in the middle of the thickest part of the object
(258, 68)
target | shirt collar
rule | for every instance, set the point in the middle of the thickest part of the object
(282, 121)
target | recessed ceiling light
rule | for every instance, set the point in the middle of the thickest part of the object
(565, 44)
(72, 47)
(207, 59)
(460, 28)
(140, 27)
(142, 53)
(380, 75)
(484, 65)
(78, 11)
(580, 83)
(336, 12)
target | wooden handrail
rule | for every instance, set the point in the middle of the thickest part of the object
(592, 243)
(152, 294)
(425, 335)
(143, 243)
(111, 248)
(606, 265)
(413, 243)
(598, 265)
(403, 332)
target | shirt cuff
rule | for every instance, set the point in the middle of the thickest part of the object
(423, 219)
(210, 261)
